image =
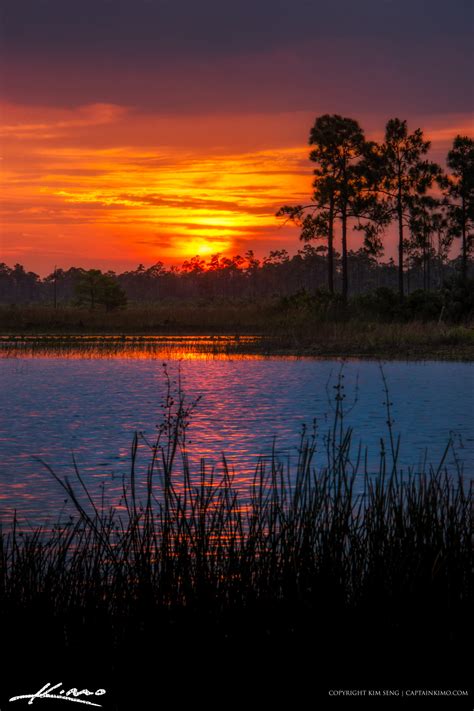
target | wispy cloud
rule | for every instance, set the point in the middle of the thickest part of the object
(60, 125)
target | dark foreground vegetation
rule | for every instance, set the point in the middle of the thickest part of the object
(328, 576)
(425, 325)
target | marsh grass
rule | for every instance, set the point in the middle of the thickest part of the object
(168, 317)
(113, 346)
(298, 331)
(350, 339)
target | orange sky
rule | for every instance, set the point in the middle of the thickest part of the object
(109, 186)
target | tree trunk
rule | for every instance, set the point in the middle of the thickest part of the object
(331, 248)
(464, 239)
(400, 242)
(345, 281)
(440, 263)
(425, 263)
(428, 264)
(55, 292)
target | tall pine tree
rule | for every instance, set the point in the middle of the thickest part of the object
(460, 194)
(404, 176)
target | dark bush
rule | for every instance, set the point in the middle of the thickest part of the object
(423, 306)
(458, 297)
(320, 304)
(383, 303)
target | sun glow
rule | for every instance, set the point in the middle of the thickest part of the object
(201, 248)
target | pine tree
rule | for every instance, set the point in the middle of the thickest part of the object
(460, 194)
(403, 177)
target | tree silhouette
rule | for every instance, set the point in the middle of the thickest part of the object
(343, 190)
(460, 193)
(425, 221)
(93, 288)
(403, 177)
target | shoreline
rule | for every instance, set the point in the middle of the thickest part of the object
(50, 343)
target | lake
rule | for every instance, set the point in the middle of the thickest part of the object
(54, 407)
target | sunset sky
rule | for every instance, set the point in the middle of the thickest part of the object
(144, 130)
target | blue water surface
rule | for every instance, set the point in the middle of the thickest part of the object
(54, 408)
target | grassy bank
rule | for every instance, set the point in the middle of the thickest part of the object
(294, 331)
(331, 569)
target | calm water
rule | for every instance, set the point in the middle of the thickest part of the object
(54, 407)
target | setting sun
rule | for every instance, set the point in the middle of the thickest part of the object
(196, 247)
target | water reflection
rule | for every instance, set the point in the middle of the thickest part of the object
(136, 347)
(54, 407)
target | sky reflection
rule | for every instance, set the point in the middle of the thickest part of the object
(57, 408)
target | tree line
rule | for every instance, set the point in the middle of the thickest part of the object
(276, 275)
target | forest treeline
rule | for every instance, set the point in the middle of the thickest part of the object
(293, 281)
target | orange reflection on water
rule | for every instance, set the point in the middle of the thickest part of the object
(247, 347)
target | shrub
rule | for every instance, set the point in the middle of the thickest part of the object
(458, 297)
(423, 306)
